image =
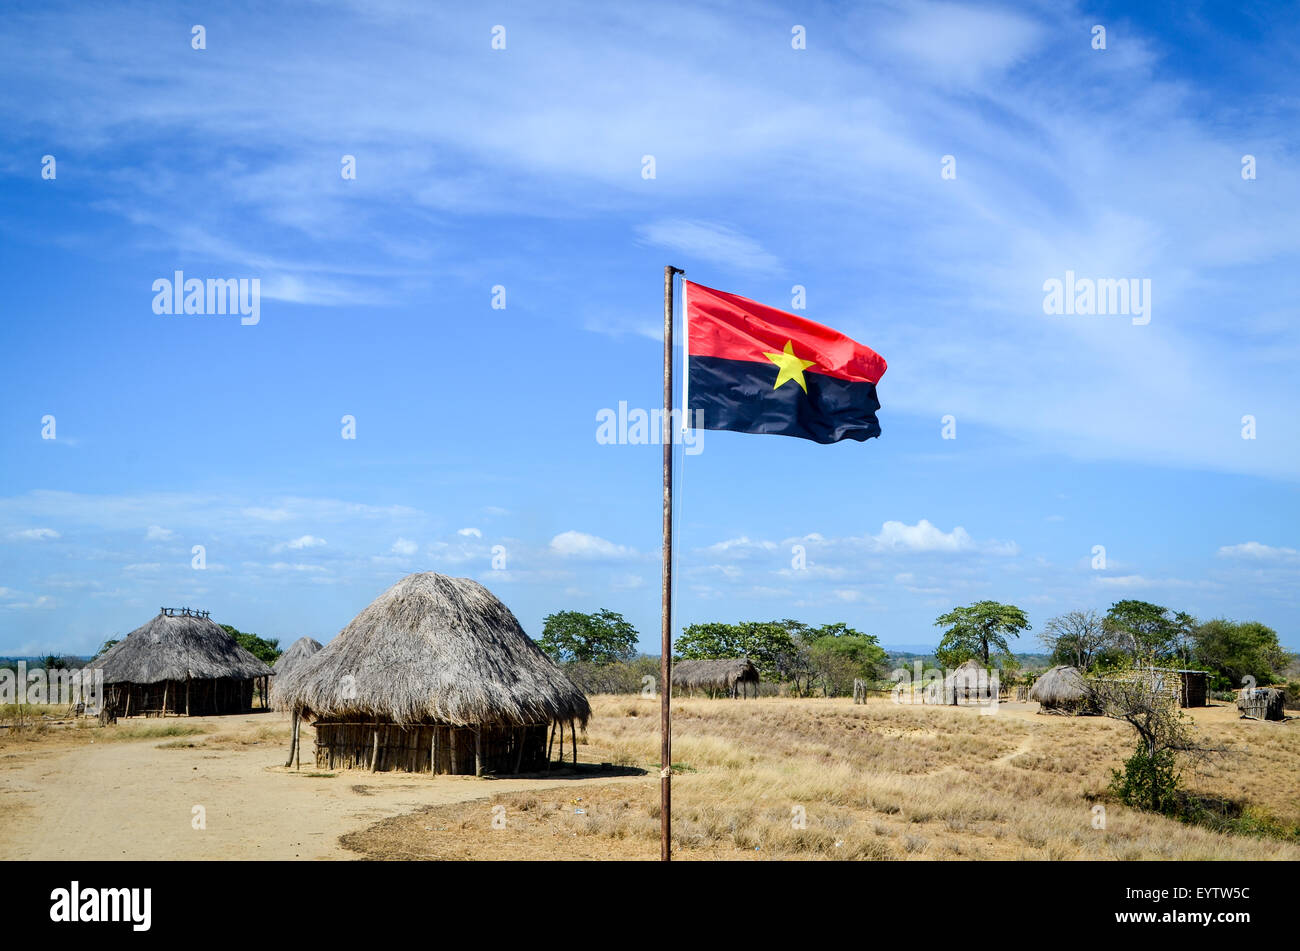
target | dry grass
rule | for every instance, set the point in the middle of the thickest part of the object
(875, 781)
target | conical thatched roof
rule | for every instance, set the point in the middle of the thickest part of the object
(1061, 686)
(433, 647)
(298, 651)
(174, 647)
(968, 673)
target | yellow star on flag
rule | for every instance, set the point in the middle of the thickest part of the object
(791, 366)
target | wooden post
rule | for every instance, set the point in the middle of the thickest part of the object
(293, 739)
(374, 754)
(478, 751)
(519, 753)
(433, 752)
(455, 765)
(573, 725)
(666, 595)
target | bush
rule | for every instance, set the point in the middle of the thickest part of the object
(618, 677)
(1292, 691)
(1148, 781)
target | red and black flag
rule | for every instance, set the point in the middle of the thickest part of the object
(756, 369)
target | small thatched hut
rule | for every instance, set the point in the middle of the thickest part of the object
(181, 662)
(732, 676)
(1261, 703)
(298, 651)
(1063, 690)
(969, 681)
(435, 675)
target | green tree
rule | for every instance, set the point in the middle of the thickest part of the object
(1147, 630)
(776, 648)
(977, 630)
(265, 649)
(837, 659)
(105, 646)
(1235, 650)
(1150, 779)
(601, 638)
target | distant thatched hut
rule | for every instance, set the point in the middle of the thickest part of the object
(180, 662)
(1063, 690)
(1262, 703)
(298, 651)
(969, 681)
(732, 676)
(436, 674)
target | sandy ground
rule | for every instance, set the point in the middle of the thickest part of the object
(134, 799)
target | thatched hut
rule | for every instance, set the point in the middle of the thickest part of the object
(181, 662)
(1261, 703)
(969, 681)
(435, 675)
(731, 676)
(298, 651)
(1063, 690)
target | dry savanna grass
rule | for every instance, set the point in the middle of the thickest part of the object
(177, 732)
(794, 779)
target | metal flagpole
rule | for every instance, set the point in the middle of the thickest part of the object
(666, 631)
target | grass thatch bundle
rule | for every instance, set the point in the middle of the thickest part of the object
(433, 648)
(298, 651)
(1062, 690)
(729, 675)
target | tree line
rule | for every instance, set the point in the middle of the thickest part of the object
(1234, 652)
(599, 651)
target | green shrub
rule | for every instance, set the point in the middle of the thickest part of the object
(1148, 781)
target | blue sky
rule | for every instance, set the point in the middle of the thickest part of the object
(522, 167)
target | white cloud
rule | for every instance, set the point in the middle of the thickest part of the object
(404, 546)
(157, 533)
(926, 537)
(298, 544)
(1255, 550)
(923, 536)
(741, 545)
(469, 532)
(34, 534)
(41, 601)
(960, 43)
(710, 242)
(582, 545)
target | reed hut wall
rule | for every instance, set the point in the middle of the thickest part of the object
(199, 698)
(412, 747)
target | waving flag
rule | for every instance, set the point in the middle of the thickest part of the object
(756, 369)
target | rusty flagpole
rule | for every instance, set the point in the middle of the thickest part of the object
(666, 629)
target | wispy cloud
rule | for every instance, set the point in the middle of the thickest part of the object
(709, 241)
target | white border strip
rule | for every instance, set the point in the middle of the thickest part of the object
(686, 363)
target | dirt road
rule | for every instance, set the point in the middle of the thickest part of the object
(136, 799)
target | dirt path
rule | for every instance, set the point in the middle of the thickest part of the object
(135, 800)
